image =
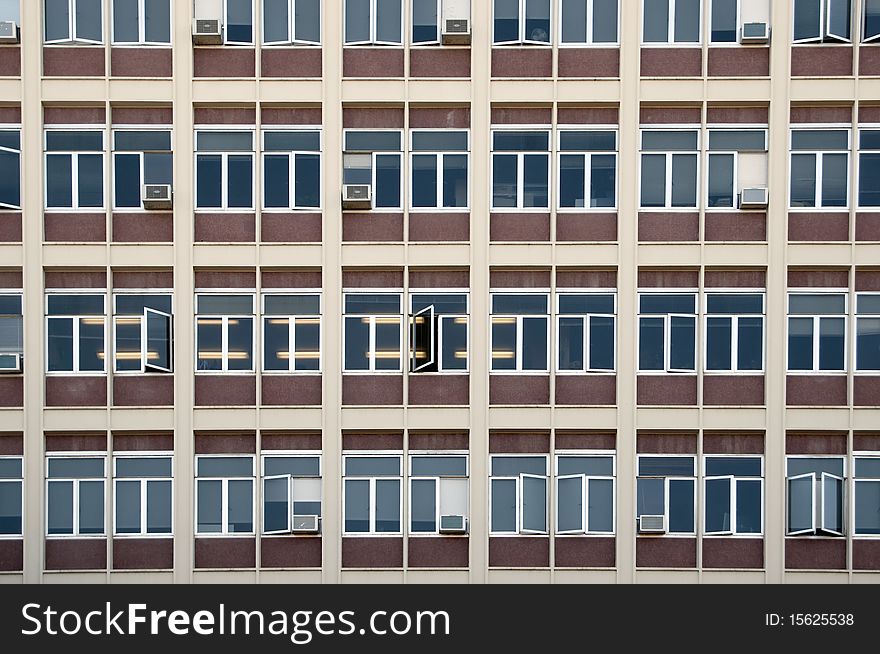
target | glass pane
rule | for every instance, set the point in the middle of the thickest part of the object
(537, 20)
(157, 21)
(59, 335)
(534, 503)
(600, 510)
(570, 511)
(869, 172)
(834, 180)
(91, 507)
(748, 506)
(815, 304)
(424, 28)
(572, 181)
(387, 505)
(839, 18)
(224, 141)
(440, 141)
(574, 21)
(535, 180)
(534, 344)
(60, 507)
(209, 181)
(91, 344)
(513, 466)
(800, 504)
(388, 20)
(307, 20)
(651, 345)
(604, 21)
(687, 21)
(142, 140)
(803, 465)
(372, 466)
(292, 305)
(387, 343)
(373, 304)
(128, 507)
(504, 180)
(503, 343)
(297, 466)
(439, 466)
(88, 21)
(307, 141)
(681, 343)
(141, 466)
(807, 19)
(455, 180)
(10, 508)
(737, 140)
(59, 180)
(357, 343)
(307, 334)
(868, 344)
(681, 506)
(81, 305)
(684, 180)
(357, 25)
(866, 467)
(669, 140)
(734, 303)
(307, 182)
(158, 507)
(10, 180)
(357, 505)
(655, 303)
(750, 346)
(74, 140)
(90, 181)
(240, 183)
(656, 17)
(224, 466)
(128, 344)
(372, 141)
(239, 25)
(424, 505)
(800, 343)
(241, 343)
(519, 304)
(454, 334)
(571, 344)
(12, 468)
(276, 171)
(719, 332)
(867, 507)
(503, 505)
(127, 180)
(650, 494)
(823, 139)
(603, 171)
(158, 341)
(721, 180)
(241, 505)
(209, 341)
(586, 303)
(832, 504)
(209, 506)
(424, 180)
(718, 505)
(387, 180)
(832, 342)
(653, 180)
(276, 346)
(76, 467)
(724, 21)
(592, 466)
(57, 19)
(275, 504)
(224, 304)
(276, 24)
(521, 141)
(872, 18)
(668, 466)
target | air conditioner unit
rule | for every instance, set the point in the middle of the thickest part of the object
(207, 31)
(357, 196)
(754, 198)
(10, 363)
(8, 31)
(305, 524)
(157, 196)
(453, 524)
(755, 33)
(456, 31)
(652, 524)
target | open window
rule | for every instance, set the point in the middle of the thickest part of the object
(871, 21)
(518, 495)
(817, 21)
(423, 339)
(11, 334)
(291, 504)
(815, 496)
(143, 338)
(533, 504)
(665, 495)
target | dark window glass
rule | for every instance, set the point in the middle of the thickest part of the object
(455, 180)
(277, 185)
(738, 466)
(603, 172)
(681, 506)
(504, 180)
(387, 180)
(831, 343)
(307, 182)
(721, 180)
(209, 181)
(209, 509)
(807, 19)
(834, 180)
(59, 180)
(571, 344)
(653, 180)
(535, 175)
(669, 466)
(718, 505)
(128, 507)
(239, 23)
(651, 345)
(424, 503)
(572, 191)
(424, 180)
(800, 343)
(718, 346)
(127, 180)
(724, 21)
(684, 180)
(869, 173)
(240, 181)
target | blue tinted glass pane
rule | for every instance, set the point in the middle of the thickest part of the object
(724, 21)
(655, 303)
(800, 343)
(503, 505)
(298, 466)
(587, 303)
(374, 466)
(276, 344)
(681, 345)
(240, 181)
(537, 20)
(455, 343)
(387, 505)
(748, 506)
(142, 141)
(519, 304)
(276, 23)
(209, 181)
(718, 505)
(506, 21)
(681, 506)
(91, 507)
(653, 192)
(571, 344)
(10, 182)
(872, 18)
(503, 344)
(307, 180)
(535, 175)
(734, 303)
(831, 343)
(512, 466)
(587, 141)
(740, 466)
(570, 504)
(868, 344)
(423, 505)
(128, 507)
(59, 180)
(91, 180)
(834, 180)
(718, 343)
(572, 185)
(650, 497)
(656, 21)
(387, 180)
(651, 344)
(357, 22)
(239, 24)
(357, 505)
(455, 180)
(750, 348)
(439, 466)
(803, 465)
(684, 180)
(592, 466)
(74, 141)
(60, 507)
(424, 28)
(209, 507)
(369, 303)
(10, 508)
(600, 505)
(869, 173)
(127, 180)
(424, 180)
(803, 180)
(604, 21)
(504, 180)
(721, 180)
(867, 506)
(60, 344)
(240, 510)
(601, 343)
(276, 169)
(670, 466)
(807, 19)
(158, 167)
(157, 21)
(534, 342)
(357, 344)
(521, 141)
(292, 141)
(574, 21)
(388, 19)
(602, 180)
(276, 508)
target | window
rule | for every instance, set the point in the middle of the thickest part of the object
(425, 18)
(291, 491)
(142, 495)
(373, 332)
(292, 170)
(291, 333)
(725, 21)
(815, 488)
(521, 21)
(439, 332)
(438, 493)
(869, 167)
(588, 21)
(584, 494)
(669, 169)
(9, 10)
(373, 157)
(238, 24)
(816, 332)
(75, 333)
(77, 21)
(224, 170)
(74, 169)
(519, 333)
(224, 333)
(867, 496)
(585, 332)
(871, 21)
(10, 169)
(373, 22)
(737, 159)
(439, 170)
(587, 169)
(671, 21)
(667, 332)
(518, 495)
(139, 157)
(819, 168)
(817, 21)
(75, 496)
(665, 488)
(142, 22)
(867, 331)
(11, 496)
(143, 333)
(734, 500)
(224, 495)
(734, 332)
(288, 22)
(11, 333)
(372, 494)
(520, 170)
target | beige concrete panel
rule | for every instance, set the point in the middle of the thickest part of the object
(816, 577)
(439, 255)
(74, 577)
(520, 255)
(670, 90)
(662, 254)
(865, 578)
(732, 577)
(147, 90)
(10, 89)
(142, 255)
(281, 91)
(430, 90)
(282, 255)
(520, 418)
(56, 254)
(437, 577)
(280, 418)
(372, 418)
(512, 91)
(141, 577)
(65, 419)
(226, 91)
(830, 254)
(667, 577)
(12, 255)
(667, 418)
(584, 576)
(735, 254)
(577, 418)
(430, 417)
(220, 419)
(605, 254)
(12, 420)
(499, 576)
(142, 419)
(840, 90)
(224, 577)
(866, 419)
(371, 577)
(290, 576)
(208, 256)
(866, 254)
(738, 90)
(600, 90)
(59, 89)
(367, 254)
(738, 418)
(11, 579)
(820, 419)
(391, 91)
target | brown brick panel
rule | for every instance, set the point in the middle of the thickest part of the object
(728, 278)
(10, 227)
(11, 391)
(586, 227)
(733, 443)
(226, 552)
(522, 62)
(815, 390)
(868, 279)
(666, 552)
(666, 442)
(438, 278)
(587, 115)
(365, 440)
(76, 391)
(504, 115)
(432, 390)
(224, 62)
(446, 227)
(382, 552)
(225, 227)
(588, 62)
(225, 390)
(739, 62)
(866, 391)
(373, 117)
(96, 278)
(141, 62)
(75, 227)
(519, 552)
(245, 278)
(11, 443)
(735, 226)
(815, 443)
(815, 553)
(75, 441)
(818, 226)
(443, 117)
(720, 114)
(584, 552)
(143, 553)
(662, 226)
(733, 553)
(867, 226)
(866, 441)
(585, 440)
(141, 115)
(372, 62)
(295, 115)
(11, 555)
(299, 227)
(586, 390)
(869, 60)
(142, 227)
(668, 278)
(143, 390)
(371, 390)
(290, 552)
(517, 279)
(143, 441)
(290, 440)
(373, 278)
(821, 61)
(290, 390)
(440, 62)
(290, 62)
(820, 278)
(438, 440)
(663, 390)
(10, 62)
(290, 278)
(374, 226)
(438, 552)
(142, 278)
(733, 390)
(866, 554)
(10, 114)
(78, 61)
(519, 226)
(10, 278)
(519, 389)
(671, 62)
(74, 115)
(76, 553)
(516, 442)
(821, 113)
(225, 442)
(585, 278)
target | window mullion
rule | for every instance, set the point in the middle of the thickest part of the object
(142, 19)
(291, 187)
(589, 16)
(75, 345)
(667, 342)
(733, 484)
(371, 353)
(585, 499)
(372, 505)
(291, 344)
(441, 159)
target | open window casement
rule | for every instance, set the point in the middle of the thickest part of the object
(871, 21)
(158, 328)
(719, 517)
(423, 340)
(571, 501)
(276, 504)
(801, 504)
(838, 20)
(831, 504)
(533, 504)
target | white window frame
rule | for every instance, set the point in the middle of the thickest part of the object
(522, 40)
(225, 333)
(590, 17)
(75, 532)
(818, 495)
(140, 154)
(440, 330)
(520, 168)
(588, 169)
(224, 503)
(142, 38)
(143, 492)
(857, 157)
(585, 491)
(851, 181)
(291, 159)
(71, 28)
(855, 489)
(13, 128)
(291, 483)
(143, 326)
(670, 29)
(864, 24)
(372, 481)
(20, 481)
(372, 319)
(518, 480)
(734, 333)
(736, 154)
(74, 169)
(694, 479)
(733, 484)
(293, 320)
(856, 319)
(435, 42)
(291, 27)
(438, 483)
(739, 23)
(254, 26)
(224, 170)
(76, 325)
(439, 156)
(586, 321)
(667, 331)
(817, 318)
(518, 318)
(669, 154)
(825, 36)
(374, 28)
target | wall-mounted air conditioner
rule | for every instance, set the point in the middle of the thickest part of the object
(453, 524)
(157, 196)
(357, 196)
(8, 31)
(305, 524)
(754, 33)
(754, 198)
(10, 363)
(207, 31)
(652, 524)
